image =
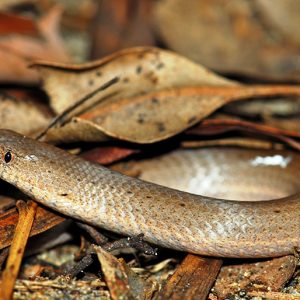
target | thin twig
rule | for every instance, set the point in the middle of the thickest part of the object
(130, 242)
(98, 238)
(10, 273)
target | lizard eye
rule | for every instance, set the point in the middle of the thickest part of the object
(8, 157)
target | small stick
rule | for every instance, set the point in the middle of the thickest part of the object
(10, 273)
(135, 242)
(98, 238)
(130, 242)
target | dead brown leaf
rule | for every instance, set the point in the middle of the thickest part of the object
(140, 70)
(107, 154)
(43, 221)
(121, 280)
(12, 24)
(156, 116)
(6, 203)
(265, 276)
(18, 51)
(236, 37)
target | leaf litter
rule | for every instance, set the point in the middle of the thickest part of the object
(159, 95)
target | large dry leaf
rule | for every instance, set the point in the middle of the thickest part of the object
(140, 70)
(18, 51)
(152, 100)
(158, 115)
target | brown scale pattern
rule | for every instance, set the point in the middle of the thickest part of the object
(130, 206)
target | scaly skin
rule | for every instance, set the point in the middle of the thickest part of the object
(166, 217)
(226, 173)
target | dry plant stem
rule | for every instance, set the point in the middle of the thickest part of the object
(215, 126)
(10, 273)
(94, 233)
(86, 261)
(241, 141)
(210, 126)
(135, 242)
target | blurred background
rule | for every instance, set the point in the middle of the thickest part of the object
(250, 39)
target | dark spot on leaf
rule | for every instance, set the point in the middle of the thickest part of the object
(160, 66)
(154, 79)
(149, 197)
(155, 101)
(64, 194)
(98, 73)
(182, 204)
(126, 80)
(91, 82)
(277, 211)
(141, 118)
(19, 250)
(161, 127)
(141, 55)
(192, 120)
(129, 192)
(138, 69)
